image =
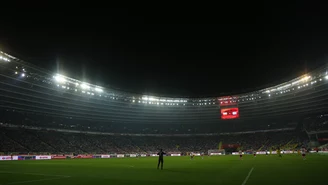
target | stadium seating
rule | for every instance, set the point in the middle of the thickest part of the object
(41, 120)
(24, 140)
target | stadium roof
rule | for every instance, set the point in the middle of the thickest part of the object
(92, 89)
(159, 53)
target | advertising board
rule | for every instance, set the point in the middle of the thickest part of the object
(216, 154)
(105, 156)
(175, 154)
(84, 156)
(43, 157)
(5, 158)
(58, 157)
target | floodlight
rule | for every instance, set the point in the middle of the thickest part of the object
(59, 79)
(98, 89)
(306, 78)
(85, 86)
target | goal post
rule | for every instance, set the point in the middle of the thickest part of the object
(216, 152)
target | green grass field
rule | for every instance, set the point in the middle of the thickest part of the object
(225, 170)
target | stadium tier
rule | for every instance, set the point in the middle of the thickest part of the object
(24, 140)
(25, 87)
(83, 117)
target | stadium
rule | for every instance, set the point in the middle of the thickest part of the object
(45, 115)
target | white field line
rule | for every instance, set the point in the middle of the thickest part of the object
(249, 174)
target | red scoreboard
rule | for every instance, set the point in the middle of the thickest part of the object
(230, 113)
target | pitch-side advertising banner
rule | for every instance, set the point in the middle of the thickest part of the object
(120, 155)
(105, 156)
(43, 157)
(84, 156)
(264, 152)
(236, 153)
(133, 155)
(218, 154)
(5, 158)
(58, 157)
(175, 154)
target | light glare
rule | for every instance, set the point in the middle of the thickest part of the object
(98, 89)
(59, 79)
(85, 86)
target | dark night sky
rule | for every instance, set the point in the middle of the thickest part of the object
(176, 52)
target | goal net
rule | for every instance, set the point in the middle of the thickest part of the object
(216, 152)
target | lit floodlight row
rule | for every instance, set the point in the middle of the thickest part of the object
(21, 74)
(164, 101)
(84, 86)
(88, 89)
(59, 79)
(4, 58)
(153, 99)
(304, 79)
(99, 89)
(158, 103)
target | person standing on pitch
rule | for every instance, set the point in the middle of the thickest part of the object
(303, 153)
(279, 152)
(160, 159)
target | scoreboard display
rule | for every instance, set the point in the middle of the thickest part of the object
(230, 113)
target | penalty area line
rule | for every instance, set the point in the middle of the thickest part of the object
(249, 174)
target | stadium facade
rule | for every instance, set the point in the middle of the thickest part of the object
(27, 88)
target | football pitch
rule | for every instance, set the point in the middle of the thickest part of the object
(225, 170)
